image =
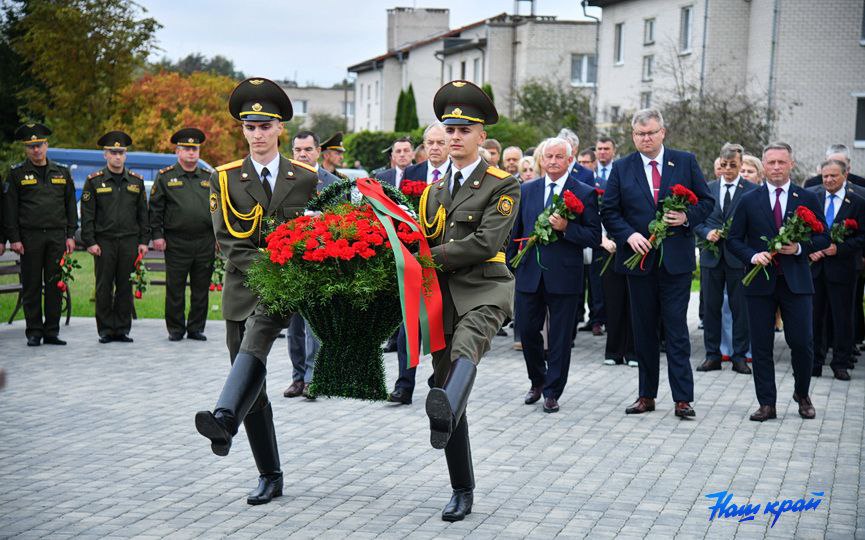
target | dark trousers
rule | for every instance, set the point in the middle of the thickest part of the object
(712, 284)
(113, 287)
(406, 377)
(859, 310)
(620, 335)
(531, 311)
(833, 322)
(193, 259)
(796, 314)
(656, 296)
(40, 265)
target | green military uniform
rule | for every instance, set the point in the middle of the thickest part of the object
(334, 143)
(467, 217)
(114, 216)
(40, 212)
(179, 214)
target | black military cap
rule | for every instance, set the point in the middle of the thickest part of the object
(259, 100)
(333, 143)
(32, 133)
(460, 103)
(114, 139)
(188, 137)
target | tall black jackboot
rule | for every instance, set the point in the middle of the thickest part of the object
(240, 391)
(262, 442)
(445, 406)
(458, 454)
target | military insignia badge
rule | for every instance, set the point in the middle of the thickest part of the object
(506, 205)
(256, 82)
(256, 107)
(457, 111)
(213, 203)
(59, 180)
(85, 196)
(133, 188)
(205, 183)
(459, 84)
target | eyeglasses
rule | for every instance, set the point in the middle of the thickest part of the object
(644, 134)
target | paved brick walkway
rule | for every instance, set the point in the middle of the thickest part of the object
(98, 441)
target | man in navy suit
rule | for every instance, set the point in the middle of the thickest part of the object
(724, 270)
(761, 213)
(550, 277)
(834, 271)
(660, 291)
(401, 154)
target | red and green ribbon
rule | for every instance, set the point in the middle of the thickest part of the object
(426, 315)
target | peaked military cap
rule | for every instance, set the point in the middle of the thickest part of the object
(115, 139)
(188, 137)
(334, 142)
(460, 103)
(259, 100)
(32, 133)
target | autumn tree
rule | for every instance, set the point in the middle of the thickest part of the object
(551, 106)
(81, 53)
(217, 64)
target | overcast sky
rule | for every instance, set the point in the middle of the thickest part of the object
(311, 41)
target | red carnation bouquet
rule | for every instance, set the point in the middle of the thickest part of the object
(67, 266)
(138, 277)
(839, 231)
(679, 199)
(413, 189)
(218, 276)
(568, 206)
(797, 228)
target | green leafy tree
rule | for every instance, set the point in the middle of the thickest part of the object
(399, 121)
(410, 111)
(551, 106)
(80, 53)
(325, 125)
(13, 69)
(510, 133)
(488, 90)
(368, 146)
(194, 62)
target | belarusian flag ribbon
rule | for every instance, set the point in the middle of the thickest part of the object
(410, 276)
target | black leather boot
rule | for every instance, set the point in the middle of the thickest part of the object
(445, 406)
(262, 442)
(458, 454)
(240, 391)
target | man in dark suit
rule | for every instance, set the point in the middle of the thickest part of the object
(760, 214)
(402, 153)
(550, 279)
(660, 290)
(841, 153)
(724, 270)
(834, 271)
(305, 148)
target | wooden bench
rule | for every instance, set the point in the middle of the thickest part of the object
(10, 265)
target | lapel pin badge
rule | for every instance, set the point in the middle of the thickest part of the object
(670, 163)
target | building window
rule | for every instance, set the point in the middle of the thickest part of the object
(860, 122)
(477, 70)
(649, 32)
(685, 23)
(615, 113)
(348, 108)
(450, 72)
(584, 69)
(648, 67)
(360, 88)
(376, 92)
(645, 100)
(299, 106)
(618, 52)
(368, 114)
(463, 70)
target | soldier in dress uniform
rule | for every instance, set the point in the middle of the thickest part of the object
(40, 220)
(467, 218)
(180, 225)
(115, 230)
(242, 193)
(331, 155)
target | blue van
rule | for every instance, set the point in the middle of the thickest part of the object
(82, 163)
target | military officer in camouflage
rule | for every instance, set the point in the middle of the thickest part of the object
(40, 219)
(180, 225)
(115, 230)
(467, 218)
(332, 151)
(264, 184)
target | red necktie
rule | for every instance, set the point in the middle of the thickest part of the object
(777, 210)
(656, 180)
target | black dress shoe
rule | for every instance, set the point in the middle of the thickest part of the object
(34, 341)
(551, 405)
(533, 395)
(53, 340)
(214, 429)
(175, 336)
(710, 365)
(765, 412)
(684, 409)
(585, 328)
(268, 488)
(841, 374)
(740, 366)
(459, 506)
(400, 395)
(197, 336)
(105, 339)
(642, 405)
(123, 338)
(817, 370)
(806, 409)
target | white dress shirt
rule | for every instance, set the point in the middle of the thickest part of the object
(442, 169)
(603, 171)
(839, 198)
(782, 201)
(647, 169)
(467, 171)
(272, 168)
(722, 192)
(398, 176)
(557, 186)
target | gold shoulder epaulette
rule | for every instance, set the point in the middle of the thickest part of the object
(302, 164)
(166, 169)
(136, 175)
(17, 165)
(95, 174)
(498, 173)
(232, 165)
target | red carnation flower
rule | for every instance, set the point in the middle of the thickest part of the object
(138, 294)
(806, 215)
(61, 286)
(681, 191)
(572, 203)
(599, 191)
(851, 224)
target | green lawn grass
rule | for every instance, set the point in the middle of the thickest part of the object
(151, 306)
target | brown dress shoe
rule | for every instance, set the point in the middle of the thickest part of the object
(740, 366)
(765, 412)
(294, 390)
(841, 374)
(710, 365)
(642, 405)
(597, 330)
(683, 409)
(806, 409)
(533, 395)
(551, 405)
